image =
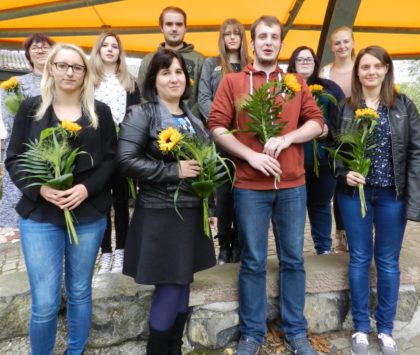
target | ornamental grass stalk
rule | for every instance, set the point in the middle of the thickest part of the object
(214, 170)
(355, 146)
(50, 161)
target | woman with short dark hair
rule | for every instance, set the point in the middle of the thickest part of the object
(162, 249)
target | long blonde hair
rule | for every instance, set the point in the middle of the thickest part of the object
(49, 92)
(126, 79)
(243, 49)
(345, 29)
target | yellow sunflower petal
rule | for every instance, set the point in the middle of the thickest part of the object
(70, 126)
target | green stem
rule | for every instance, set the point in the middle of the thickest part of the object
(206, 217)
(132, 188)
(70, 227)
(363, 207)
(315, 153)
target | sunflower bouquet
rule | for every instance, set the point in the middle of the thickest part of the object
(360, 141)
(214, 170)
(321, 97)
(14, 96)
(51, 161)
(264, 109)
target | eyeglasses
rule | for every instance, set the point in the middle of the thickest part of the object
(40, 48)
(301, 60)
(77, 68)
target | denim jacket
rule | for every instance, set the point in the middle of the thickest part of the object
(404, 123)
(139, 156)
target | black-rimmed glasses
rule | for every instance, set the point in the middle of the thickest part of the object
(301, 60)
(77, 68)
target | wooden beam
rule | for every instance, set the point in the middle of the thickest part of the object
(25, 11)
(291, 16)
(338, 13)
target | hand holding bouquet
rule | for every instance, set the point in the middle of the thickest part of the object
(264, 109)
(50, 161)
(214, 171)
(14, 96)
(360, 141)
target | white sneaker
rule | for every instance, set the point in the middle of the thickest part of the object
(360, 344)
(117, 264)
(105, 263)
(387, 345)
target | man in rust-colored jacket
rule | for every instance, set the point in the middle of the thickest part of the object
(258, 200)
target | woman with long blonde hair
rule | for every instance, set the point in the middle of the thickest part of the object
(67, 94)
(116, 87)
(233, 56)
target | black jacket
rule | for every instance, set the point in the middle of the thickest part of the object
(100, 143)
(404, 123)
(139, 156)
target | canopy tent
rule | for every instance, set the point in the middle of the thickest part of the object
(393, 25)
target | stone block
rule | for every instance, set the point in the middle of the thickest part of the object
(326, 312)
(15, 304)
(214, 326)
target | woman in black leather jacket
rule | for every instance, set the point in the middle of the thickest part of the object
(392, 190)
(162, 249)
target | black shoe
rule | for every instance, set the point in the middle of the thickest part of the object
(225, 254)
(175, 339)
(158, 341)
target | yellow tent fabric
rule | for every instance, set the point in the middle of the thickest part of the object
(394, 25)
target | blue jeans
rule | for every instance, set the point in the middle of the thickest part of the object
(254, 209)
(320, 191)
(45, 246)
(385, 214)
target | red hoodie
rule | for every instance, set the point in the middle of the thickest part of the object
(296, 112)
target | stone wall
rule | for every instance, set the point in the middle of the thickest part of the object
(120, 313)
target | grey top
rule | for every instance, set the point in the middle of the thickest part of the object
(31, 86)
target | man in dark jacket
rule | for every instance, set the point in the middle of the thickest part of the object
(173, 24)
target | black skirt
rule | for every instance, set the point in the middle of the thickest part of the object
(163, 248)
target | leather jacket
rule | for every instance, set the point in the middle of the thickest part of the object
(404, 124)
(139, 156)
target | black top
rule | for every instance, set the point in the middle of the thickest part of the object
(100, 143)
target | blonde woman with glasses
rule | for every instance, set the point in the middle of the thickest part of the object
(67, 93)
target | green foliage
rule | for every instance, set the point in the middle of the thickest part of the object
(412, 90)
(264, 110)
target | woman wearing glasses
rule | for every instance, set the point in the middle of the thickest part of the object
(320, 189)
(233, 56)
(37, 47)
(117, 88)
(67, 93)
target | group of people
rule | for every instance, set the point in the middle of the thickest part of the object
(178, 88)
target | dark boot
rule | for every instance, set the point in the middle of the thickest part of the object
(65, 352)
(225, 252)
(175, 339)
(158, 341)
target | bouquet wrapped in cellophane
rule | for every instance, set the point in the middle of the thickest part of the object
(14, 96)
(354, 146)
(214, 170)
(50, 161)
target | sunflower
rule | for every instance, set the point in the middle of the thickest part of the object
(168, 139)
(70, 126)
(291, 83)
(366, 113)
(316, 88)
(10, 84)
